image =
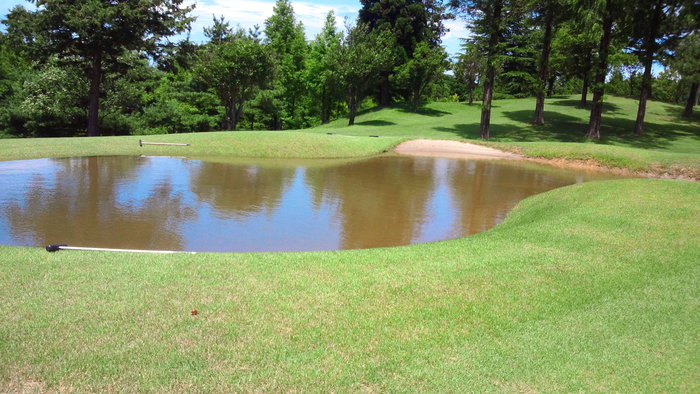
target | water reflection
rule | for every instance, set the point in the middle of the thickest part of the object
(179, 204)
(95, 200)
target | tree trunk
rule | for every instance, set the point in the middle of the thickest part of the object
(550, 85)
(384, 91)
(94, 95)
(352, 109)
(238, 113)
(584, 92)
(650, 48)
(538, 118)
(486, 108)
(692, 100)
(325, 104)
(643, 97)
(495, 32)
(230, 117)
(601, 72)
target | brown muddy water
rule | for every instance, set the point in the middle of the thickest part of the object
(165, 203)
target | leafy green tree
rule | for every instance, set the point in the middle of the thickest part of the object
(422, 70)
(609, 12)
(97, 32)
(517, 65)
(363, 55)
(655, 28)
(549, 14)
(236, 69)
(285, 37)
(468, 67)
(219, 31)
(574, 50)
(687, 63)
(322, 69)
(410, 22)
(50, 102)
(488, 21)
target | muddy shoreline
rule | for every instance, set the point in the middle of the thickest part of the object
(465, 150)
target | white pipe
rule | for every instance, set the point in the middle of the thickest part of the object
(61, 247)
(142, 143)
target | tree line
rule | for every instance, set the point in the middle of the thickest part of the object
(72, 67)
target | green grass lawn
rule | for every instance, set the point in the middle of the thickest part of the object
(591, 287)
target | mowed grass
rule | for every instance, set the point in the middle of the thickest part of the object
(241, 144)
(670, 144)
(592, 287)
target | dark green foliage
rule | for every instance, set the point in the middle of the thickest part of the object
(410, 22)
(420, 72)
(467, 70)
(96, 33)
(363, 55)
(285, 39)
(235, 68)
(322, 71)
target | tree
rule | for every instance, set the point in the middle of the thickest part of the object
(363, 55)
(285, 37)
(97, 32)
(488, 20)
(423, 69)
(573, 50)
(235, 68)
(410, 22)
(549, 14)
(322, 69)
(687, 63)
(609, 11)
(468, 68)
(653, 32)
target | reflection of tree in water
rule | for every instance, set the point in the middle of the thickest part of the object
(236, 191)
(81, 207)
(484, 192)
(380, 202)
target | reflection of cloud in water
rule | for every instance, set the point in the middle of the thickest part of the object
(168, 203)
(79, 206)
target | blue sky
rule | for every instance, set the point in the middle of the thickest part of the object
(248, 13)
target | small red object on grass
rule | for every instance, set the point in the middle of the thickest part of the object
(194, 312)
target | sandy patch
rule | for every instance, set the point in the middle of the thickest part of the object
(452, 149)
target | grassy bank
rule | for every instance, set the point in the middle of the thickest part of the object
(579, 289)
(257, 144)
(592, 287)
(670, 144)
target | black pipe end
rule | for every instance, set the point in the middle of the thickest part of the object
(140, 143)
(374, 136)
(53, 248)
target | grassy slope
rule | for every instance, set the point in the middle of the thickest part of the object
(670, 143)
(576, 290)
(288, 144)
(588, 287)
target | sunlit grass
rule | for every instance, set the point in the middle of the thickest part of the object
(588, 287)
(592, 287)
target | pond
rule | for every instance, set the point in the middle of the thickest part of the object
(165, 203)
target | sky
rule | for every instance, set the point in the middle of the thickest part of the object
(247, 13)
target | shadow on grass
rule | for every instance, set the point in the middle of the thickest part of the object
(677, 113)
(565, 128)
(376, 123)
(575, 104)
(406, 108)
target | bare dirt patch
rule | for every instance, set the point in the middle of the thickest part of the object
(464, 150)
(452, 149)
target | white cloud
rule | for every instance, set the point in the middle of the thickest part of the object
(249, 13)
